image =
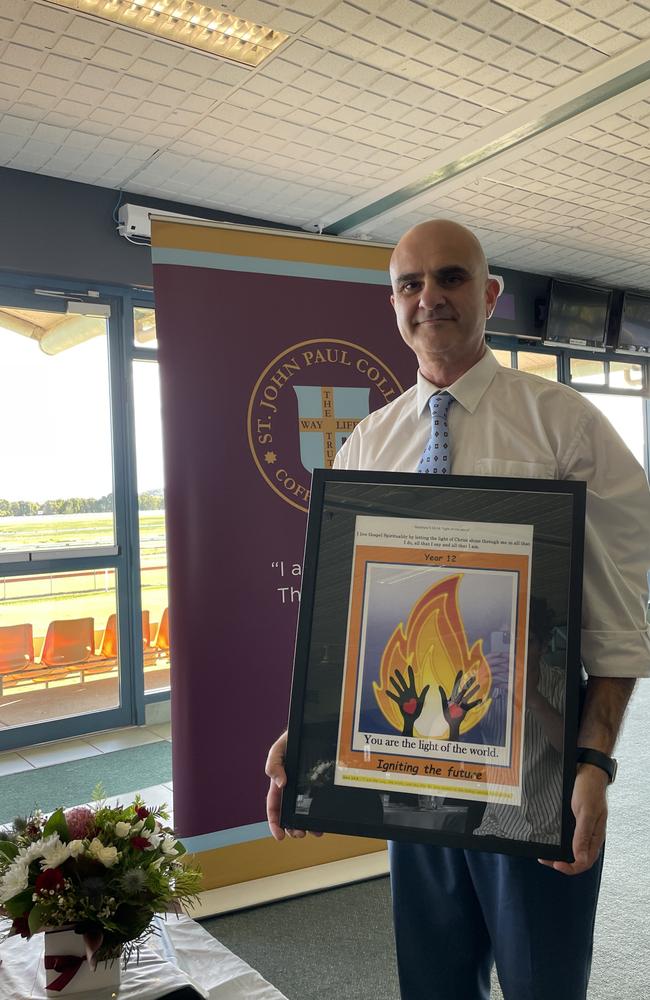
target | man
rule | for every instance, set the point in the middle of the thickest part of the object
(456, 912)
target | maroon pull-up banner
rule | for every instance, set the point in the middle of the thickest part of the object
(272, 348)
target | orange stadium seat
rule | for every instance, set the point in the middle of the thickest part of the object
(161, 642)
(146, 630)
(109, 644)
(68, 641)
(16, 647)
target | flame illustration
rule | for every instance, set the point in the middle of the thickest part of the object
(434, 643)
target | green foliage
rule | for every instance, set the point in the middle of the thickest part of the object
(188, 882)
(19, 904)
(37, 918)
(57, 824)
(151, 500)
(8, 849)
(98, 795)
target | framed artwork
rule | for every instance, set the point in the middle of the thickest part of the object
(437, 669)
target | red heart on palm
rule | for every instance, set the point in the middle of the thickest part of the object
(410, 706)
(455, 711)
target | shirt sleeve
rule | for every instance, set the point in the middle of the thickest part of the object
(347, 457)
(615, 640)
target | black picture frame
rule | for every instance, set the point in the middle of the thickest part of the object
(517, 803)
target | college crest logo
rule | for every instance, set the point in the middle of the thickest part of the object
(305, 404)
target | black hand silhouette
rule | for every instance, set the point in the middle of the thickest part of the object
(456, 707)
(409, 702)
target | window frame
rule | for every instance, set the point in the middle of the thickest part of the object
(125, 558)
(564, 357)
(139, 298)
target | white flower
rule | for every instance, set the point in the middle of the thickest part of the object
(54, 853)
(13, 881)
(76, 847)
(38, 849)
(152, 838)
(122, 829)
(107, 855)
(168, 845)
(137, 826)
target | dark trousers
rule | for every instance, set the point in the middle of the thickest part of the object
(457, 912)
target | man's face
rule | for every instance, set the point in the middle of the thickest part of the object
(441, 295)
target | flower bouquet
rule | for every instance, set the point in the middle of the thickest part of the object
(101, 871)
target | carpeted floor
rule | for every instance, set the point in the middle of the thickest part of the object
(73, 782)
(335, 945)
(338, 945)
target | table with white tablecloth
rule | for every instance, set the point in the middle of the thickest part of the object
(181, 954)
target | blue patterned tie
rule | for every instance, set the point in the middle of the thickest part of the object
(436, 456)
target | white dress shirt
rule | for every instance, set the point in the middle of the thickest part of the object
(511, 423)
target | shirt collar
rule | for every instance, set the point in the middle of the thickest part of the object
(466, 390)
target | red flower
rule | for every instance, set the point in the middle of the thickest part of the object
(20, 926)
(52, 878)
(142, 812)
(140, 843)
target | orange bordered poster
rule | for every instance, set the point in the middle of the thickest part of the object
(436, 683)
(433, 604)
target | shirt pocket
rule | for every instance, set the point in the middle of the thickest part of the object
(518, 470)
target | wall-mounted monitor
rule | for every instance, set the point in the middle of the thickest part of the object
(515, 309)
(634, 331)
(577, 315)
(504, 320)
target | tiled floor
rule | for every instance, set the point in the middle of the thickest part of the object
(92, 746)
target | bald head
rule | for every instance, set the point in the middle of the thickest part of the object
(442, 296)
(459, 243)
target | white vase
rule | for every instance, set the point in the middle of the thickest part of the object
(67, 969)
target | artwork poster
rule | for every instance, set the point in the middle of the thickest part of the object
(434, 685)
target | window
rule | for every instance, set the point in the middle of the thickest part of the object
(583, 371)
(56, 484)
(544, 365)
(144, 328)
(623, 376)
(626, 415)
(58, 646)
(503, 357)
(151, 520)
(72, 641)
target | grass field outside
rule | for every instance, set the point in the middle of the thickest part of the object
(43, 531)
(41, 598)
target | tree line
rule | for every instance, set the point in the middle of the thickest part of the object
(152, 500)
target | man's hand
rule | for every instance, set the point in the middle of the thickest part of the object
(275, 770)
(602, 715)
(589, 805)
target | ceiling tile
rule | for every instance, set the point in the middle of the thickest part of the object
(41, 16)
(363, 95)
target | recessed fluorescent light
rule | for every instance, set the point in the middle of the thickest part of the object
(198, 25)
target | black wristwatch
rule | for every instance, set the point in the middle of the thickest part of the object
(586, 755)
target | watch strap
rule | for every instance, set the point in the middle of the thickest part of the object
(587, 755)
